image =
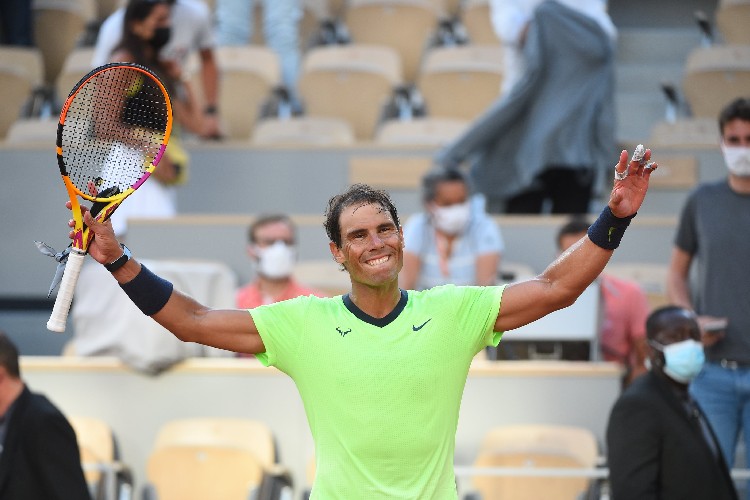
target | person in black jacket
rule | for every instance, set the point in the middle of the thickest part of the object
(659, 443)
(39, 456)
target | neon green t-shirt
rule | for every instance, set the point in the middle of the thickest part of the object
(382, 396)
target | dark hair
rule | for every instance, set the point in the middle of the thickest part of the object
(441, 174)
(737, 109)
(657, 320)
(9, 356)
(138, 10)
(576, 225)
(265, 219)
(357, 194)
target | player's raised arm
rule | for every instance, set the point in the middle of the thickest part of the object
(188, 320)
(568, 276)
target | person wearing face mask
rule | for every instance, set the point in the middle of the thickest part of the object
(660, 445)
(272, 248)
(708, 275)
(453, 240)
(191, 34)
(146, 30)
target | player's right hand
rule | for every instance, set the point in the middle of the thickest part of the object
(104, 247)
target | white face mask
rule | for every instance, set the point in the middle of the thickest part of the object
(276, 261)
(452, 219)
(737, 159)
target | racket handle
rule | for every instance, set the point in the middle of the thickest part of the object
(59, 316)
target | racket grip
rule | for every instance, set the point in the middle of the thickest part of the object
(59, 316)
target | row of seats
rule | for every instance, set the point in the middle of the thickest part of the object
(352, 83)
(194, 458)
(234, 458)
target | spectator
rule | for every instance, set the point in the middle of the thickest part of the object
(192, 32)
(548, 141)
(39, 456)
(659, 442)
(235, 20)
(452, 240)
(273, 248)
(510, 21)
(622, 337)
(147, 28)
(711, 240)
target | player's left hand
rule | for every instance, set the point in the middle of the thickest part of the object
(631, 184)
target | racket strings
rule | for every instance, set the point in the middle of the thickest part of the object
(114, 127)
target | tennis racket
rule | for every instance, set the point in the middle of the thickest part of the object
(113, 130)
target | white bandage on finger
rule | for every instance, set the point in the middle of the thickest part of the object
(638, 154)
(620, 175)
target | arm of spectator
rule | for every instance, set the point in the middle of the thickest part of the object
(678, 289)
(210, 81)
(487, 265)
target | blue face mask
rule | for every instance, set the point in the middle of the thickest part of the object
(682, 360)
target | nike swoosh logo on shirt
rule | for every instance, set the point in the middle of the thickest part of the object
(417, 328)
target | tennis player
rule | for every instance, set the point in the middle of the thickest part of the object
(381, 370)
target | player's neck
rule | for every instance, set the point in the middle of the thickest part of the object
(377, 301)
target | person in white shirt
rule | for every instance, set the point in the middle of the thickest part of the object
(191, 32)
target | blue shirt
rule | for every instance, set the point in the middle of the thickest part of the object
(481, 236)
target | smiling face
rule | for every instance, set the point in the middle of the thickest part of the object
(371, 245)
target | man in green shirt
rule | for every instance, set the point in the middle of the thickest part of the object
(381, 370)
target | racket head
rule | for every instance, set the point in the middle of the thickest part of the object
(113, 130)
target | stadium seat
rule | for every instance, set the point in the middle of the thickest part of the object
(77, 65)
(249, 435)
(676, 171)
(214, 435)
(16, 87)
(58, 25)
(303, 131)
(247, 75)
(404, 25)
(420, 131)
(461, 82)
(733, 20)
(686, 133)
(714, 76)
(27, 59)
(475, 15)
(99, 454)
(199, 472)
(351, 82)
(532, 446)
